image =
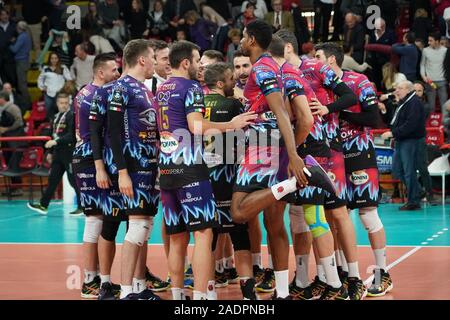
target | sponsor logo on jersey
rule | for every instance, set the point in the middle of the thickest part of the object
(359, 177)
(168, 143)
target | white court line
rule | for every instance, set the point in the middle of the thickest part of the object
(396, 262)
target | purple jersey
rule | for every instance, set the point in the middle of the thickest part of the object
(81, 106)
(181, 157)
(132, 125)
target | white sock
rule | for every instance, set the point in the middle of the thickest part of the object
(321, 273)
(380, 258)
(89, 276)
(211, 293)
(282, 283)
(256, 259)
(353, 270)
(125, 291)
(270, 266)
(301, 275)
(138, 285)
(228, 263)
(186, 263)
(199, 295)
(219, 266)
(105, 278)
(284, 188)
(343, 260)
(178, 294)
(338, 258)
(331, 274)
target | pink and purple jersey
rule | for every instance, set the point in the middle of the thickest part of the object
(264, 79)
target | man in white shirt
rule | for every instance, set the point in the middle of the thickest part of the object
(432, 71)
(162, 67)
(261, 8)
(81, 69)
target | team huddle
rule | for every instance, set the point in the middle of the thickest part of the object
(213, 146)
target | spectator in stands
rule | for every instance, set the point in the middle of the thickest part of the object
(21, 49)
(7, 32)
(162, 66)
(181, 35)
(208, 13)
(432, 70)
(51, 80)
(33, 12)
(201, 30)
(322, 15)
(246, 17)
(422, 25)
(236, 6)
(408, 130)
(112, 24)
(60, 155)
(409, 56)
(223, 7)
(70, 88)
(13, 96)
(354, 36)
(383, 36)
(174, 11)
(279, 19)
(56, 10)
(350, 64)
(419, 88)
(92, 20)
(235, 37)
(309, 51)
(219, 39)
(439, 7)
(138, 21)
(58, 42)
(260, 8)
(391, 77)
(14, 128)
(81, 68)
(158, 22)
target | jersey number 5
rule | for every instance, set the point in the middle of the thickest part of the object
(164, 118)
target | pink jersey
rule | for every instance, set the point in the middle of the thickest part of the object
(364, 90)
(264, 79)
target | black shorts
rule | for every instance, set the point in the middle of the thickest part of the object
(90, 195)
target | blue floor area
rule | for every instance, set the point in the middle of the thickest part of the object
(18, 224)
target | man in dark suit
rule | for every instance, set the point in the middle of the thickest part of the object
(278, 18)
(7, 63)
(354, 36)
(174, 11)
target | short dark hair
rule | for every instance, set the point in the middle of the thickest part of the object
(181, 50)
(238, 53)
(410, 37)
(216, 72)
(157, 44)
(436, 36)
(288, 37)
(332, 49)
(214, 54)
(135, 49)
(101, 59)
(276, 47)
(62, 95)
(4, 94)
(261, 31)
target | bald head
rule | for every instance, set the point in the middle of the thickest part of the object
(380, 24)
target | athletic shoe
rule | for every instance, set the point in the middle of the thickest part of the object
(275, 297)
(77, 212)
(300, 293)
(91, 290)
(231, 275)
(258, 273)
(342, 274)
(267, 284)
(154, 283)
(381, 286)
(221, 280)
(106, 292)
(335, 294)
(248, 289)
(317, 288)
(37, 207)
(188, 273)
(147, 294)
(317, 176)
(131, 296)
(116, 290)
(356, 289)
(189, 283)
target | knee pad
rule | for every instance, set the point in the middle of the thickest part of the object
(370, 219)
(92, 229)
(297, 217)
(138, 231)
(109, 230)
(240, 240)
(315, 219)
